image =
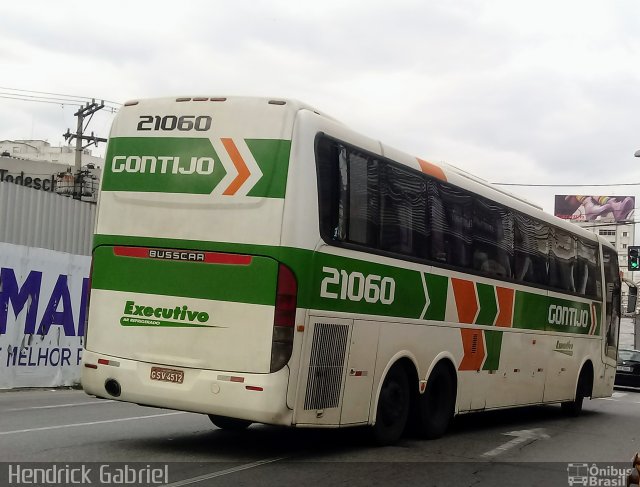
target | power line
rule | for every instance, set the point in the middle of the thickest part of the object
(40, 92)
(54, 101)
(74, 97)
(69, 102)
(42, 98)
(54, 98)
(564, 185)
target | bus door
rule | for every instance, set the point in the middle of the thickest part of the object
(612, 289)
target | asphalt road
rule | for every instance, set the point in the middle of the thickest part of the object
(526, 446)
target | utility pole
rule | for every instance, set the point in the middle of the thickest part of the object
(86, 111)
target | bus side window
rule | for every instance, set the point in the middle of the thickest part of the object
(331, 188)
(492, 238)
(348, 196)
(363, 210)
(452, 217)
(403, 215)
(437, 221)
(531, 250)
(587, 271)
(562, 260)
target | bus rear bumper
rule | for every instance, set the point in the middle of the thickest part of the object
(255, 397)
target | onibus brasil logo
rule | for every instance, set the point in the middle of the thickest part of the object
(607, 475)
(179, 316)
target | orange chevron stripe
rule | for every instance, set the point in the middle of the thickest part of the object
(466, 300)
(505, 302)
(243, 170)
(431, 169)
(474, 353)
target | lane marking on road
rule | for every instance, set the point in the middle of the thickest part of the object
(615, 399)
(221, 473)
(91, 423)
(623, 397)
(523, 436)
(71, 404)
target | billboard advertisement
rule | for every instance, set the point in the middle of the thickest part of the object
(43, 300)
(594, 208)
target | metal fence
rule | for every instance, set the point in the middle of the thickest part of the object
(41, 219)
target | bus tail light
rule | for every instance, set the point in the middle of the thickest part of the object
(284, 318)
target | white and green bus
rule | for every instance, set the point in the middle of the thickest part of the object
(258, 261)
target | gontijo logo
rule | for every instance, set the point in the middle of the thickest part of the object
(566, 316)
(219, 166)
(225, 162)
(162, 165)
(179, 316)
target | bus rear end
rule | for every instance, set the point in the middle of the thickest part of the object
(191, 307)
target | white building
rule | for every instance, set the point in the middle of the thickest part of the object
(35, 164)
(621, 237)
(40, 150)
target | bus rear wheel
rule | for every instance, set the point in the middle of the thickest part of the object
(231, 424)
(393, 407)
(436, 406)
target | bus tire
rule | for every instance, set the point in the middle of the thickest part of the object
(231, 424)
(393, 407)
(436, 406)
(583, 389)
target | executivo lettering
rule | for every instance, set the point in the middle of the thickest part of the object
(563, 315)
(179, 316)
(564, 347)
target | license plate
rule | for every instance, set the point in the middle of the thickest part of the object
(167, 375)
(623, 368)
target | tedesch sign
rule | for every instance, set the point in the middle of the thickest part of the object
(43, 301)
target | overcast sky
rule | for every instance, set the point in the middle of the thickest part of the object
(544, 92)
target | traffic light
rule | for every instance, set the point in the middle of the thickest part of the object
(633, 258)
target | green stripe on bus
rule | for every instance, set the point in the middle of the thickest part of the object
(254, 283)
(354, 296)
(190, 165)
(488, 305)
(598, 317)
(272, 157)
(541, 312)
(438, 287)
(532, 311)
(493, 342)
